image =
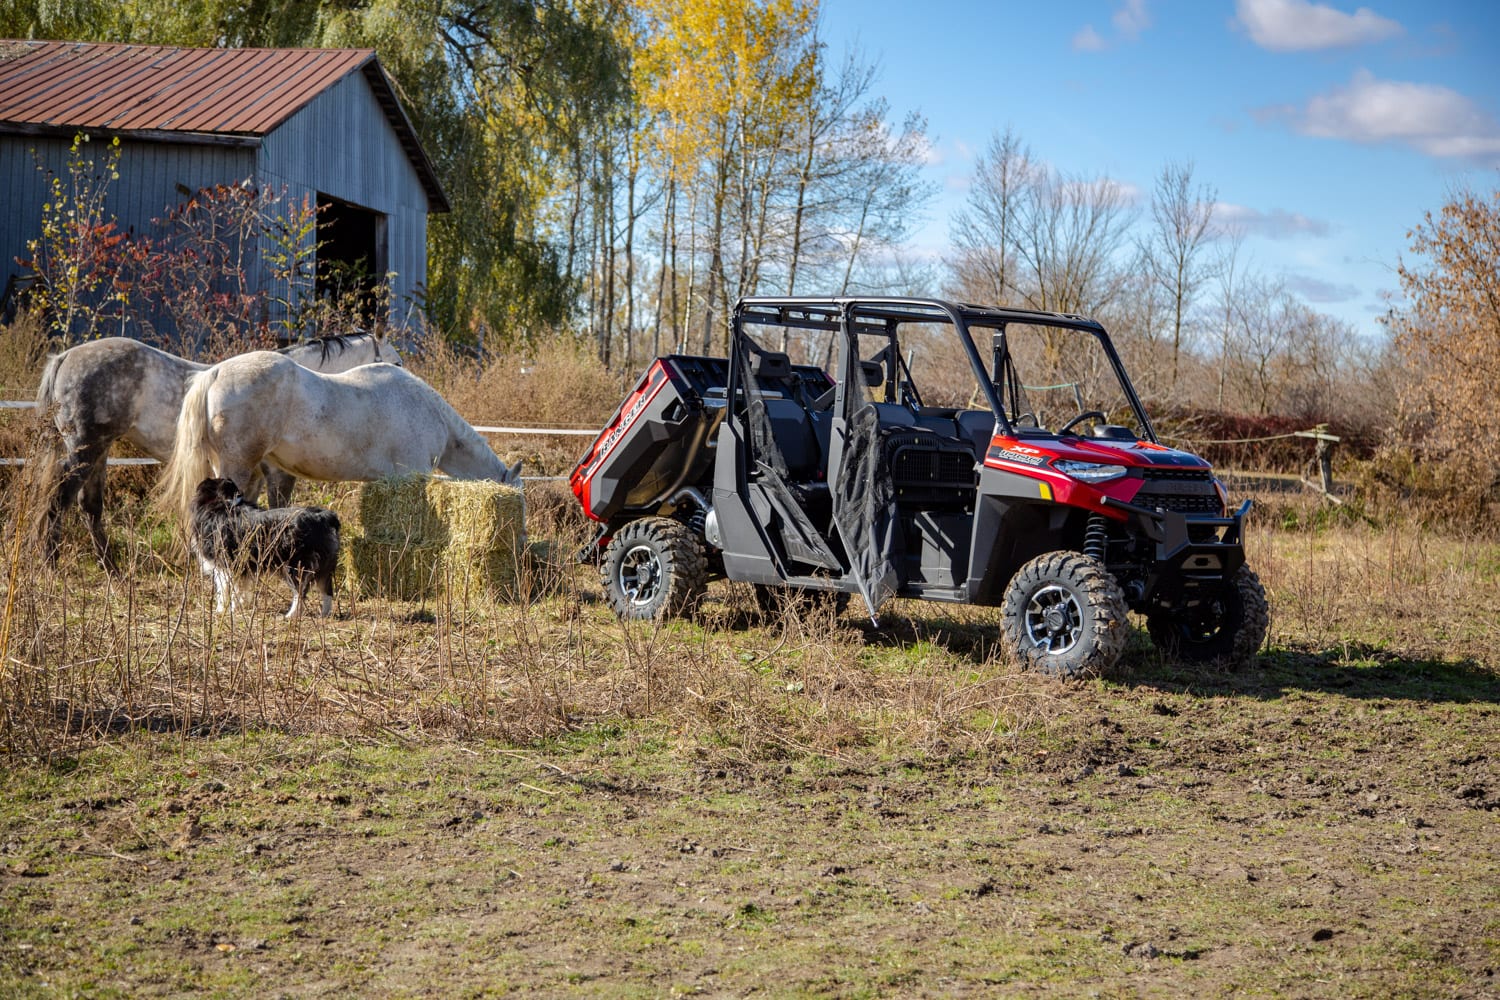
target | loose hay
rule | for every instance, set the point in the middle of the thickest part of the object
(416, 537)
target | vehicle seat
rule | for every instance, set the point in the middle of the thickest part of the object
(978, 428)
(772, 369)
(894, 415)
(794, 434)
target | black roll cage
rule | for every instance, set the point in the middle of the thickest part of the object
(883, 314)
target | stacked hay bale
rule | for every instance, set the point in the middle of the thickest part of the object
(418, 537)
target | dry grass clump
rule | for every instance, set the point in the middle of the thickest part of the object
(87, 656)
(1460, 492)
(23, 352)
(558, 381)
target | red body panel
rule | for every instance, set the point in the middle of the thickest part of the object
(614, 432)
(1032, 458)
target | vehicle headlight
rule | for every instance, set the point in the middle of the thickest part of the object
(1089, 472)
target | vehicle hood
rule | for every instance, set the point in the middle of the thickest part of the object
(1131, 454)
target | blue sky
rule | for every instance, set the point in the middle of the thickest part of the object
(1326, 129)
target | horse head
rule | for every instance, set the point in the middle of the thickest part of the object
(384, 352)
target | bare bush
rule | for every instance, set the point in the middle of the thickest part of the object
(1448, 335)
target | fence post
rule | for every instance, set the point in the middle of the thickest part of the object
(1323, 455)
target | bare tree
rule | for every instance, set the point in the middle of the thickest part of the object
(984, 230)
(1172, 250)
(1068, 235)
(1229, 276)
(1269, 324)
(1449, 333)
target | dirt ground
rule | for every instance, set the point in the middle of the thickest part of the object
(738, 807)
(1324, 825)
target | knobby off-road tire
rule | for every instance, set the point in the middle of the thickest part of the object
(1231, 627)
(654, 568)
(1065, 615)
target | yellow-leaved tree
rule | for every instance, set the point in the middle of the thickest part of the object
(726, 82)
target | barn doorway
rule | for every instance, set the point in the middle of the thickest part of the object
(351, 256)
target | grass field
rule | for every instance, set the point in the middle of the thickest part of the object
(469, 798)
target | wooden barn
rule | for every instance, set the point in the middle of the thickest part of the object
(318, 124)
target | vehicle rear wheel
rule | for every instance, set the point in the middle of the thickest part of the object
(1066, 615)
(654, 568)
(1230, 626)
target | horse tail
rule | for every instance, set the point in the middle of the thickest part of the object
(44, 468)
(46, 391)
(50, 437)
(193, 452)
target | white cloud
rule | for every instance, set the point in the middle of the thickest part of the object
(1427, 117)
(1298, 25)
(1089, 40)
(1277, 224)
(1320, 292)
(1131, 19)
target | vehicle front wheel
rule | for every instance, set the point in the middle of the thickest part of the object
(654, 567)
(1231, 625)
(1066, 615)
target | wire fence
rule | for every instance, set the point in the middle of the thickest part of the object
(1316, 432)
(23, 404)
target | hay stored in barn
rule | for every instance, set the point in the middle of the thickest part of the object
(416, 537)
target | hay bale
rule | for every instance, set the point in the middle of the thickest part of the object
(416, 537)
(393, 510)
(405, 571)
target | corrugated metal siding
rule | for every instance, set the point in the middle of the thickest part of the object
(64, 86)
(343, 145)
(148, 187)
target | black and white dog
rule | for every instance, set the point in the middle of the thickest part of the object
(234, 538)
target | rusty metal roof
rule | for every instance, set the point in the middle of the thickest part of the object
(182, 91)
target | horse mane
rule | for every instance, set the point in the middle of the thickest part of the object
(327, 343)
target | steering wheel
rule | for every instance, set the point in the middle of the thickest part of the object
(1085, 415)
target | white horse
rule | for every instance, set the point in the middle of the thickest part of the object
(102, 391)
(369, 423)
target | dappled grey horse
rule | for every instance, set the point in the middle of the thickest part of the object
(368, 423)
(102, 391)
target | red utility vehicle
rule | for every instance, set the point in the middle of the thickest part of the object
(957, 453)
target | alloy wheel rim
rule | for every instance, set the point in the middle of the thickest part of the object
(1054, 619)
(640, 574)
